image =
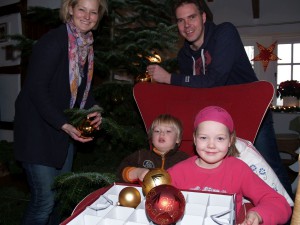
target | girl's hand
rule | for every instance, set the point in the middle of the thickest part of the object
(95, 119)
(252, 218)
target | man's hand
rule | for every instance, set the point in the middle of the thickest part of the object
(158, 74)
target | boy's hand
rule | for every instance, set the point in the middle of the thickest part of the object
(142, 173)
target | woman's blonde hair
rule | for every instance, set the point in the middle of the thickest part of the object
(64, 9)
(167, 119)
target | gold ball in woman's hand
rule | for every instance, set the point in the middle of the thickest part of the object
(86, 129)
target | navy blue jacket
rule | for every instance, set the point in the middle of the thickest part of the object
(222, 60)
(39, 108)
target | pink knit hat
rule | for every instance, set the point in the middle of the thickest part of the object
(214, 113)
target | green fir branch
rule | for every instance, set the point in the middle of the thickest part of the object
(76, 115)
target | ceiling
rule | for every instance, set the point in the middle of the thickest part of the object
(255, 9)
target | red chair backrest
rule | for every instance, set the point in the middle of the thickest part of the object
(247, 104)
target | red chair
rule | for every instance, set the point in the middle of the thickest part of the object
(247, 104)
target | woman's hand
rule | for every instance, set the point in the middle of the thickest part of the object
(252, 218)
(74, 133)
(95, 119)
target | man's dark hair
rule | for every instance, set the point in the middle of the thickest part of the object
(198, 3)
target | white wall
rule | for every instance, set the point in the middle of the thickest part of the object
(282, 122)
(8, 2)
(14, 26)
(44, 3)
(278, 21)
(240, 12)
(10, 83)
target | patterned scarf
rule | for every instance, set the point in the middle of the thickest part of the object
(80, 48)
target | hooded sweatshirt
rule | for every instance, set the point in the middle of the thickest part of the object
(220, 61)
(150, 159)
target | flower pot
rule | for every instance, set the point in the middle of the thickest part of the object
(290, 101)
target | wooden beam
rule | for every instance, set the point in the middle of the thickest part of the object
(10, 69)
(255, 9)
(6, 125)
(10, 9)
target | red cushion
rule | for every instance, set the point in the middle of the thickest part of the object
(247, 104)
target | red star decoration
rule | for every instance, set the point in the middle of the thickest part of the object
(266, 55)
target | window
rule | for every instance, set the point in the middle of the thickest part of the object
(250, 53)
(288, 67)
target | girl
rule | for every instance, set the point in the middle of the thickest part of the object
(216, 169)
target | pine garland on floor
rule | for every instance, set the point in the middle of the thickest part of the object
(71, 188)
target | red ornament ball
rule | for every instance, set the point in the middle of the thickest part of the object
(165, 204)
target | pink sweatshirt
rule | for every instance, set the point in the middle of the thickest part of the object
(233, 176)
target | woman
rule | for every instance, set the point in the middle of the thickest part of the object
(58, 78)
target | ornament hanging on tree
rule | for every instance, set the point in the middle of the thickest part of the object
(143, 78)
(165, 204)
(129, 197)
(153, 59)
(155, 178)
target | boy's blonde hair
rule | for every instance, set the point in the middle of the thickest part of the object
(64, 9)
(167, 119)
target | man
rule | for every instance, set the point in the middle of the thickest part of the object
(212, 56)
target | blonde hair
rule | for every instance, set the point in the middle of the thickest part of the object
(232, 150)
(64, 9)
(167, 119)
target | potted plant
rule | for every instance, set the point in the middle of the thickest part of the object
(289, 91)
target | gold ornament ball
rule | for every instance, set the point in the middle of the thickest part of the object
(143, 78)
(86, 129)
(155, 178)
(129, 197)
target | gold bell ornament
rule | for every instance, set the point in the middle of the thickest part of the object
(155, 178)
(129, 197)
